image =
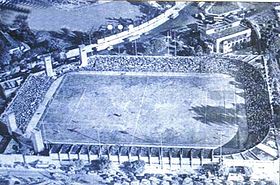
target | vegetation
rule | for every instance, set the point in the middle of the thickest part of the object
(135, 167)
(102, 164)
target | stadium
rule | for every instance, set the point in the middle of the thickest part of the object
(145, 107)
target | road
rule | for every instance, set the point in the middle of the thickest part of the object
(132, 33)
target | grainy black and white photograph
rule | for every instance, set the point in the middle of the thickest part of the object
(127, 92)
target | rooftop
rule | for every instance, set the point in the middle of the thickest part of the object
(227, 32)
(224, 22)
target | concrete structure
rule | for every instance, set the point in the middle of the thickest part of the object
(225, 44)
(48, 65)
(12, 126)
(10, 86)
(83, 55)
(151, 155)
(226, 35)
(37, 140)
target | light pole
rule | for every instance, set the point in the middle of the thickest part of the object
(168, 42)
(221, 146)
(110, 27)
(90, 33)
(130, 26)
(175, 52)
(89, 37)
(135, 43)
(120, 28)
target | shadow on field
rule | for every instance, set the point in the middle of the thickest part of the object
(214, 115)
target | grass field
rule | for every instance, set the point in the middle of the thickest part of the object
(194, 109)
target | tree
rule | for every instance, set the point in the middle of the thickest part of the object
(187, 51)
(79, 38)
(198, 49)
(2, 46)
(19, 21)
(5, 58)
(77, 164)
(207, 50)
(155, 46)
(134, 167)
(193, 42)
(54, 45)
(102, 164)
(16, 56)
(15, 148)
(23, 32)
(25, 150)
(187, 181)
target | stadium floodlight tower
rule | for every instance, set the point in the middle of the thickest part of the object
(48, 65)
(12, 126)
(83, 55)
(37, 140)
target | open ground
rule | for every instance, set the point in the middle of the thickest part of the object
(82, 19)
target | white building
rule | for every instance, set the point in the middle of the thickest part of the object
(226, 35)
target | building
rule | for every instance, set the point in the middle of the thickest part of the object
(225, 35)
(10, 86)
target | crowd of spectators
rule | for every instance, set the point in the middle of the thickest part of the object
(158, 64)
(28, 99)
(257, 105)
(273, 80)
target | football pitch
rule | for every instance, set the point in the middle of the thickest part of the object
(145, 109)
